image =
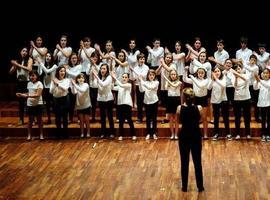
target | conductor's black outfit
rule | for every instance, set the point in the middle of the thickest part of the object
(190, 140)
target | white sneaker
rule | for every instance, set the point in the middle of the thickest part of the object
(120, 138)
(41, 137)
(155, 137)
(28, 137)
(176, 137)
(237, 137)
(267, 138)
(229, 137)
(263, 138)
(134, 138)
(112, 136)
(172, 137)
(82, 135)
(88, 135)
(102, 136)
(248, 137)
(147, 137)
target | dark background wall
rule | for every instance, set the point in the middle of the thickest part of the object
(168, 21)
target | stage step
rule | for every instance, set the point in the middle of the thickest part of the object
(9, 128)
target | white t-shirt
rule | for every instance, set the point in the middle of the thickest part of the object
(32, 89)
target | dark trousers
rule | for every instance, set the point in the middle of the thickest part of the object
(195, 146)
(72, 101)
(22, 88)
(140, 97)
(151, 118)
(125, 113)
(106, 107)
(224, 107)
(240, 106)
(93, 96)
(48, 97)
(265, 113)
(254, 100)
(61, 106)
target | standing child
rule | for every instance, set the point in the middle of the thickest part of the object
(105, 99)
(124, 103)
(219, 101)
(190, 139)
(263, 102)
(59, 90)
(34, 103)
(241, 101)
(83, 103)
(173, 85)
(150, 87)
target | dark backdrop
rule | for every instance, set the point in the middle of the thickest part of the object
(102, 21)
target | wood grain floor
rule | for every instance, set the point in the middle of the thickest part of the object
(72, 169)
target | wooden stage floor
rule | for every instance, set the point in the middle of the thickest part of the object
(72, 169)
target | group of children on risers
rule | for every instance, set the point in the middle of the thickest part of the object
(79, 81)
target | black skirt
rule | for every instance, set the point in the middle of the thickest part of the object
(172, 104)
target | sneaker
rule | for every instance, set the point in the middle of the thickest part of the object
(263, 138)
(176, 137)
(164, 121)
(155, 137)
(28, 138)
(101, 136)
(229, 137)
(237, 137)
(147, 137)
(205, 137)
(134, 138)
(117, 121)
(215, 137)
(248, 137)
(268, 138)
(41, 137)
(82, 135)
(126, 121)
(120, 138)
(138, 121)
(88, 135)
(112, 136)
(172, 137)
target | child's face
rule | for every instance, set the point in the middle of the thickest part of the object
(168, 59)
(156, 44)
(74, 60)
(239, 69)
(201, 73)
(63, 42)
(197, 44)
(151, 76)
(48, 57)
(266, 75)
(39, 42)
(228, 65)
(217, 72)
(108, 46)
(173, 75)
(24, 52)
(177, 47)
(80, 80)
(220, 46)
(33, 78)
(132, 44)
(125, 78)
(261, 50)
(62, 73)
(103, 70)
(121, 56)
(252, 61)
(141, 61)
(202, 57)
(87, 43)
